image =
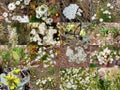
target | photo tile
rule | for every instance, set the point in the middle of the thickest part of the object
(14, 34)
(105, 34)
(104, 56)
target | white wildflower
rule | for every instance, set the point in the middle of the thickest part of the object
(17, 2)
(41, 10)
(49, 21)
(11, 6)
(26, 2)
(5, 14)
(101, 20)
(108, 4)
(111, 7)
(70, 11)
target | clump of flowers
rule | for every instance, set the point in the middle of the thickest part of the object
(78, 57)
(46, 57)
(47, 12)
(75, 79)
(105, 56)
(12, 81)
(44, 35)
(13, 37)
(104, 13)
(43, 13)
(71, 31)
(71, 11)
(47, 83)
(14, 14)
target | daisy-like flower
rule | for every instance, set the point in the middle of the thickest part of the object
(33, 32)
(5, 14)
(41, 10)
(101, 19)
(17, 2)
(11, 6)
(49, 21)
(108, 4)
(26, 2)
(71, 11)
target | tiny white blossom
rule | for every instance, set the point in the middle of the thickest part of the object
(5, 14)
(17, 2)
(108, 4)
(111, 7)
(101, 20)
(26, 2)
(11, 6)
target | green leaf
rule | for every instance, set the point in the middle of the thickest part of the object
(52, 71)
(34, 19)
(83, 33)
(6, 56)
(70, 27)
(92, 65)
(15, 55)
(104, 30)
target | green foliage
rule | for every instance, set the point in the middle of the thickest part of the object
(54, 9)
(44, 57)
(13, 56)
(34, 19)
(92, 65)
(6, 56)
(52, 71)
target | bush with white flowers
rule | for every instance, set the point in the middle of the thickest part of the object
(71, 11)
(104, 14)
(46, 57)
(75, 79)
(47, 83)
(13, 9)
(78, 57)
(105, 56)
(47, 33)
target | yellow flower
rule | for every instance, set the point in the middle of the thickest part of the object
(12, 87)
(12, 81)
(16, 71)
(9, 77)
(83, 33)
(56, 14)
(17, 80)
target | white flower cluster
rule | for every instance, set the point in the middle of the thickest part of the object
(48, 57)
(75, 79)
(71, 11)
(78, 57)
(46, 83)
(13, 37)
(105, 56)
(43, 13)
(12, 16)
(105, 12)
(47, 34)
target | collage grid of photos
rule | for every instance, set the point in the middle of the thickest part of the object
(59, 44)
